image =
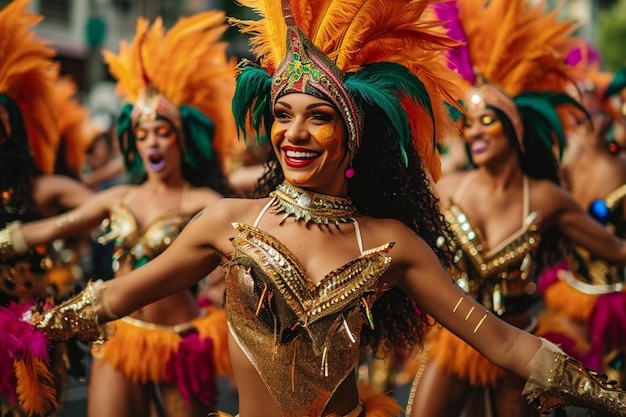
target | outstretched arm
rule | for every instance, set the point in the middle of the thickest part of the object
(192, 256)
(577, 225)
(553, 378)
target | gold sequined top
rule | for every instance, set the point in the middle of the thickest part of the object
(303, 339)
(592, 275)
(499, 278)
(135, 246)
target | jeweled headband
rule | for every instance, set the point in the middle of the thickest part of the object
(306, 68)
(483, 94)
(152, 104)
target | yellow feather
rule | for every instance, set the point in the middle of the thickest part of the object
(268, 33)
(524, 51)
(188, 65)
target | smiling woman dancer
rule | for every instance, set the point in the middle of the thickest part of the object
(174, 131)
(326, 263)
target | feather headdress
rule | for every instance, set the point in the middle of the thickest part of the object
(514, 53)
(186, 74)
(27, 77)
(72, 120)
(386, 54)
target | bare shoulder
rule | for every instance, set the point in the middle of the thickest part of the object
(226, 211)
(378, 231)
(449, 183)
(549, 198)
(201, 197)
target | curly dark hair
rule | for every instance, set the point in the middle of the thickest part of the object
(384, 187)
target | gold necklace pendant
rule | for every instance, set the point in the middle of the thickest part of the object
(311, 206)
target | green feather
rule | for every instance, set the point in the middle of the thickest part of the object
(382, 85)
(617, 84)
(199, 131)
(253, 92)
(125, 127)
(539, 110)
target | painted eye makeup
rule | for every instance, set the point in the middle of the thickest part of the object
(323, 116)
(280, 114)
(487, 119)
(141, 134)
(164, 131)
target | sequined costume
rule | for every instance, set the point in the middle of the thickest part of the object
(591, 290)
(301, 338)
(148, 352)
(22, 277)
(500, 278)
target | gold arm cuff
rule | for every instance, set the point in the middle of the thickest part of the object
(557, 380)
(12, 241)
(76, 318)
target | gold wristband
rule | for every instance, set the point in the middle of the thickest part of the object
(76, 318)
(12, 241)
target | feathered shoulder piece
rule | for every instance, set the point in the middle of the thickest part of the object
(514, 52)
(382, 54)
(27, 77)
(187, 66)
(72, 119)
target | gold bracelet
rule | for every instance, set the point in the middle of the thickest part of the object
(12, 241)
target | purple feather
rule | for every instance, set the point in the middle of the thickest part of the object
(587, 51)
(18, 340)
(458, 57)
(607, 325)
(193, 370)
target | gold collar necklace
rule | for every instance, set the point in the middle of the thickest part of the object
(310, 206)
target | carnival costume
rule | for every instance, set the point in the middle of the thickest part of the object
(182, 76)
(315, 329)
(516, 65)
(148, 352)
(587, 289)
(29, 138)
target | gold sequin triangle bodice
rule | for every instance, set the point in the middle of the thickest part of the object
(135, 246)
(303, 339)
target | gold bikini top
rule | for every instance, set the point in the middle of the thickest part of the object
(303, 339)
(135, 246)
(592, 275)
(503, 272)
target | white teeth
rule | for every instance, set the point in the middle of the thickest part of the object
(300, 155)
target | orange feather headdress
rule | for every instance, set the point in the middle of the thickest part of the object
(385, 55)
(183, 75)
(512, 56)
(27, 77)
